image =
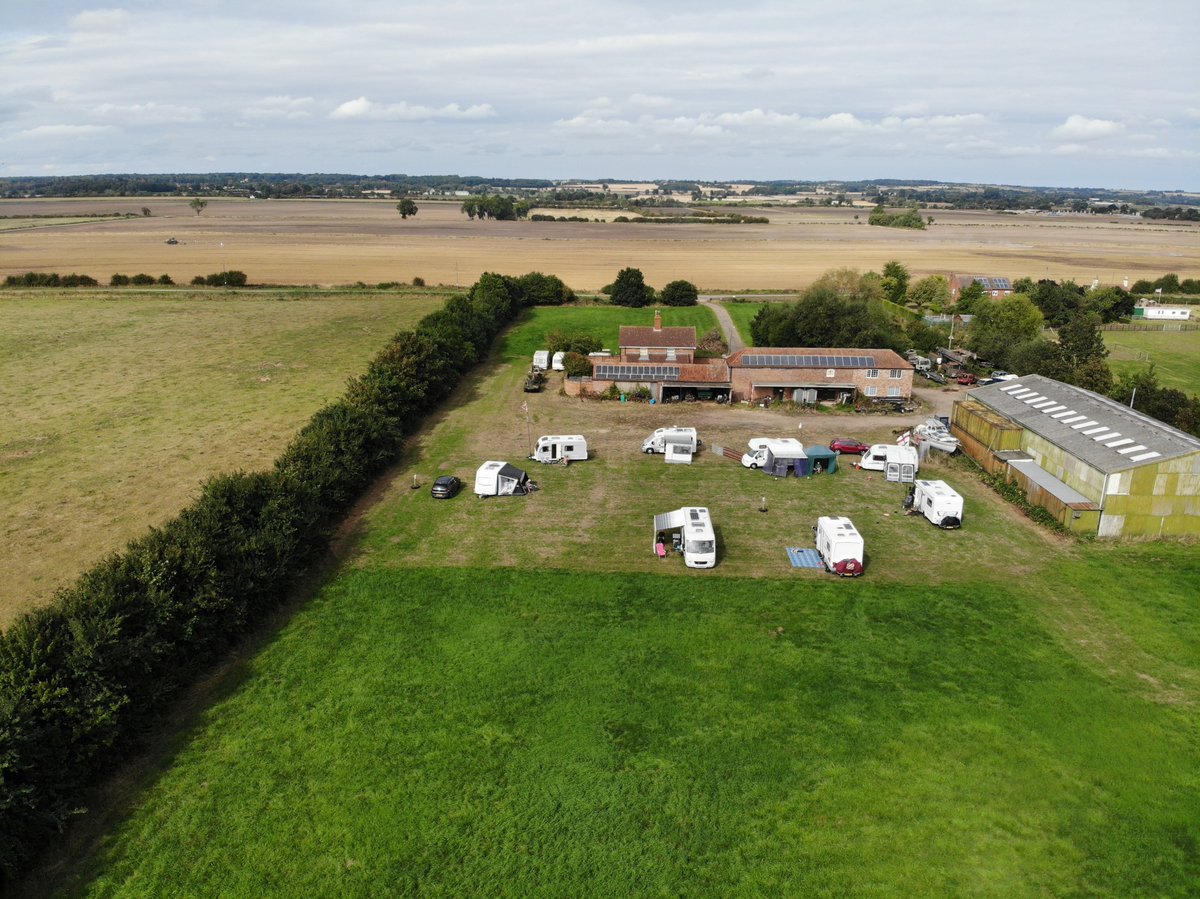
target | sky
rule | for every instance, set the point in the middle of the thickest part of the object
(1057, 93)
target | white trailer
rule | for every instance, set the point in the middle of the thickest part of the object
(938, 502)
(556, 361)
(697, 538)
(680, 437)
(840, 546)
(898, 463)
(768, 453)
(541, 359)
(560, 448)
(502, 479)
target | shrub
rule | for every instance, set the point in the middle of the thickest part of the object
(231, 278)
(577, 365)
(141, 279)
(418, 282)
(118, 281)
(198, 281)
(165, 279)
(680, 293)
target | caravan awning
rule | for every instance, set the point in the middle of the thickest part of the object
(669, 521)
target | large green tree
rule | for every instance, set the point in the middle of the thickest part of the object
(931, 292)
(1002, 326)
(679, 293)
(824, 318)
(630, 288)
(895, 280)
(1081, 340)
(406, 207)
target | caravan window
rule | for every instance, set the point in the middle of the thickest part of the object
(701, 546)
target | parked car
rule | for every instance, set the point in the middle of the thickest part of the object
(445, 487)
(1003, 376)
(847, 445)
(967, 378)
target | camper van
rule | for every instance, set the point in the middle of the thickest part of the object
(557, 448)
(769, 454)
(919, 362)
(657, 442)
(698, 540)
(541, 359)
(840, 546)
(556, 361)
(502, 479)
(938, 502)
(898, 463)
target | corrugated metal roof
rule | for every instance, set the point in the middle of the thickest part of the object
(1100, 432)
(1052, 485)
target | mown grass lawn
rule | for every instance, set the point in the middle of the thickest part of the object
(1174, 354)
(742, 315)
(512, 733)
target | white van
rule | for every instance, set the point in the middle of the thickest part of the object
(657, 442)
(765, 450)
(840, 546)
(898, 463)
(938, 502)
(560, 448)
(699, 540)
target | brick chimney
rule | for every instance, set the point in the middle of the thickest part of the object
(657, 319)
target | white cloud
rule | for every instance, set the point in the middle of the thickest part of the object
(362, 108)
(147, 113)
(281, 107)
(104, 20)
(60, 132)
(1079, 128)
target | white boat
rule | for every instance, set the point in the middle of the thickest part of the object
(934, 433)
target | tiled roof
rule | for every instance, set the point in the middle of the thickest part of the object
(714, 372)
(636, 336)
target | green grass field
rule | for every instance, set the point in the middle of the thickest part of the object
(1174, 354)
(117, 405)
(514, 697)
(742, 314)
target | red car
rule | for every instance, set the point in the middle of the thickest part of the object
(966, 378)
(844, 445)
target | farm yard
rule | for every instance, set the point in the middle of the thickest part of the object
(514, 696)
(334, 242)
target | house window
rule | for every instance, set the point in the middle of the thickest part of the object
(671, 354)
(644, 355)
(829, 372)
(893, 391)
(894, 374)
(872, 373)
(870, 391)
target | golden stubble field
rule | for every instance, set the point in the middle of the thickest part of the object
(332, 242)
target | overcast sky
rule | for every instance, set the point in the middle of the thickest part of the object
(1056, 92)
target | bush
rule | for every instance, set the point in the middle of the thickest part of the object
(165, 279)
(680, 293)
(141, 279)
(418, 282)
(118, 281)
(577, 365)
(227, 279)
(198, 281)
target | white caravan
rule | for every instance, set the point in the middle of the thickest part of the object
(764, 451)
(938, 502)
(698, 539)
(502, 479)
(898, 463)
(556, 361)
(662, 437)
(560, 448)
(541, 359)
(840, 546)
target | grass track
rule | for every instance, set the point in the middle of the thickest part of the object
(481, 732)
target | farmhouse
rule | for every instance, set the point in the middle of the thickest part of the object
(993, 287)
(657, 344)
(1096, 465)
(810, 375)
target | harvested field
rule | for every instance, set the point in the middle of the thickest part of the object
(343, 241)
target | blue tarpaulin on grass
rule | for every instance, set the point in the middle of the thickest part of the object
(804, 558)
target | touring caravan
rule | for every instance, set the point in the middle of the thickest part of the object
(697, 538)
(776, 456)
(556, 361)
(938, 502)
(898, 463)
(560, 448)
(840, 546)
(662, 437)
(541, 359)
(502, 479)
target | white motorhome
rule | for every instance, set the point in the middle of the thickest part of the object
(898, 463)
(658, 441)
(920, 363)
(501, 479)
(765, 452)
(560, 448)
(697, 538)
(840, 546)
(938, 502)
(541, 359)
(556, 361)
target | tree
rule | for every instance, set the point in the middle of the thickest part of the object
(1040, 357)
(1001, 326)
(630, 288)
(931, 291)
(925, 337)
(895, 280)
(1081, 341)
(406, 207)
(680, 293)
(1094, 375)
(146, 211)
(823, 318)
(198, 204)
(969, 297)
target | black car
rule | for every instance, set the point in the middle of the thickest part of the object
(445, 487)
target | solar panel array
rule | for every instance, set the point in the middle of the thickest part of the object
(995, 283)
(782, 361)
(608, 371)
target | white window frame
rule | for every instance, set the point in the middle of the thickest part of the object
(893, 391)
(872, 373)
(870, 390)
(895, 374)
